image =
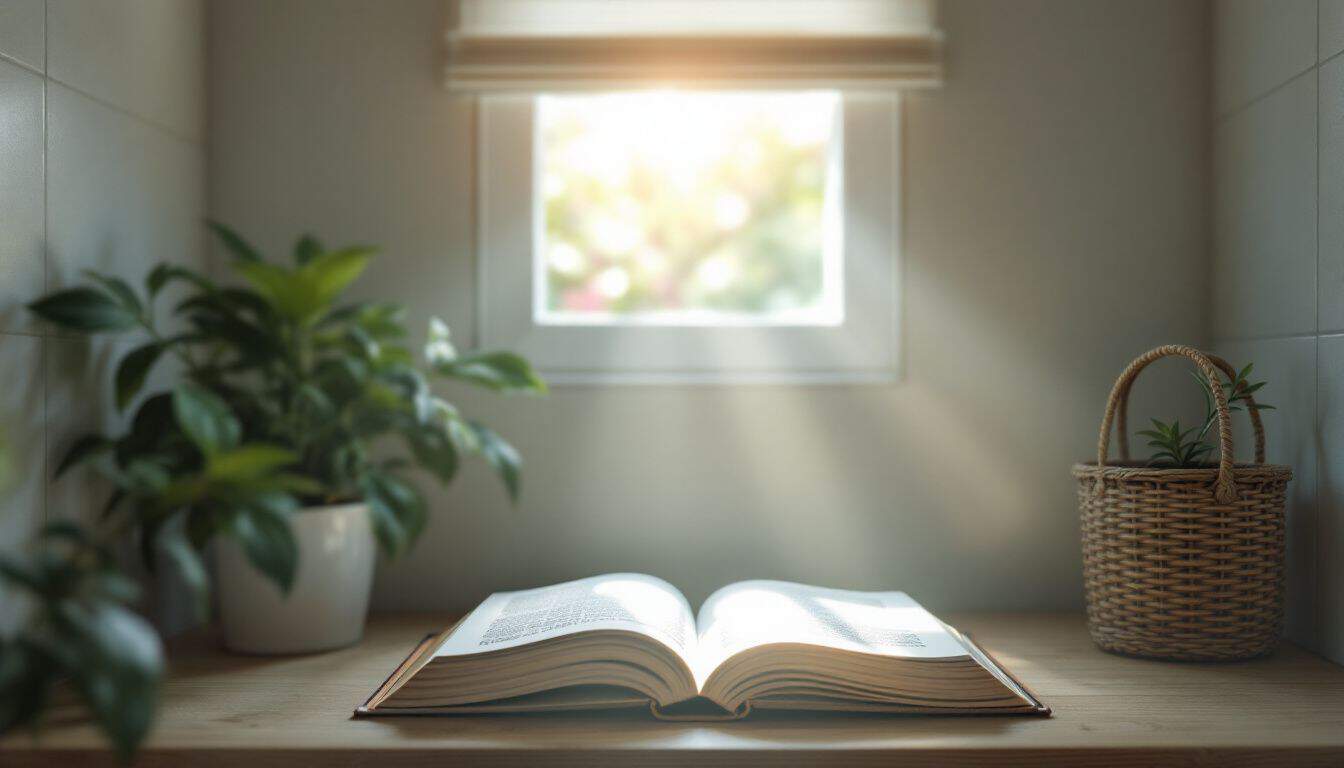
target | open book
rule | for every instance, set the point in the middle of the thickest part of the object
(630, 640)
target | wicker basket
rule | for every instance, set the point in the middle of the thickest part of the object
(1183, 563)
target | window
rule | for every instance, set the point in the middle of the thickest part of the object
(689, 209)
(691, 190)
(691, 236)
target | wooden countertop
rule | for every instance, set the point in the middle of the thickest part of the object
(221, 709)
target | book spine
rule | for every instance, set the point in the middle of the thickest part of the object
(700, 717)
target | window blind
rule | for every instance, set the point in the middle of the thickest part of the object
(566, 45)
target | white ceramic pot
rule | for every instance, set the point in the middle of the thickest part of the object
(327, 605)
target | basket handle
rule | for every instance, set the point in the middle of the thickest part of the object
(1122, 421)
(1225, 490)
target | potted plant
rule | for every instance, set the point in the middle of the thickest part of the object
(316, 407)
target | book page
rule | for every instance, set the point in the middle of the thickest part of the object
(632, 602)
(755, 613)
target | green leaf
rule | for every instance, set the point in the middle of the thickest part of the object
(434, 451)
(133, 369)
(364, 344)
(191, 569)
(117, 664)
(244, 300)
(205, 419)
(248, 462)
(288, 482)
(84, 309)
(157, 279)
(161, 275)
(65, 530)
(331, 273)
(503, 457)
(262, 529)
(381, 318)
(306, 249)
(152, 426)
(397, 511)
(119, 290)
(308, 292)
(1249, 389)
(112, 585)
(12, 569)
(185, 491)
(84, 448)
(500, 371)
(114, 500)
(240, 248)
(311, 400)
(387, 529)
(277, 284)
(146, 476)
(27, 675)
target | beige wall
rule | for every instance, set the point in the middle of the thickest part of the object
(102, 166)
(1054, 227)
(1278, 268)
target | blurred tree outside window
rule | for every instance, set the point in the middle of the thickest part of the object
(689, 208)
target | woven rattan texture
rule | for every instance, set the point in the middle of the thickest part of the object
(1183, 563)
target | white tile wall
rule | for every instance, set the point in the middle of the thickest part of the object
(1264, 265)
(98, 168)
(22, 441)
(78, 401)
(1258, 46)
(21, 201)
(1332, 28)
(144, 56)
(1330, 532)
(22, 33)
(122, 194)
(1279, 226)
(1331, 203)
(1289, 368)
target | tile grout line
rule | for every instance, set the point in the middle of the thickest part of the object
(1273, 337)
(44, 346)
(1317, 610)
(172, 133)
(46, 74)
(1238, 110)
(25, 66)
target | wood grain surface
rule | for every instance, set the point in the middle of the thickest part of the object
(221, 709)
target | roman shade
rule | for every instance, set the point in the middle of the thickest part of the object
(567, 45)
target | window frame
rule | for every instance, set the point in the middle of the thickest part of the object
(863, 348)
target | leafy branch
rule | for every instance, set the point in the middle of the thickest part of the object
(1182, 448)
(83, 631)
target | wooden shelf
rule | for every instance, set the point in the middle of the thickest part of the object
(221, 709)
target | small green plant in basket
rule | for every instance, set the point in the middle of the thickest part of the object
(1182, 448)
